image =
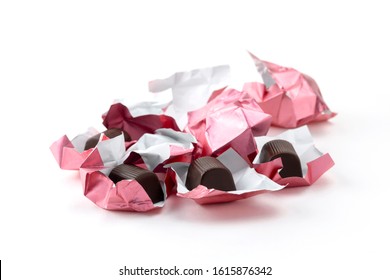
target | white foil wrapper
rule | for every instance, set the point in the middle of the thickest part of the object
(155, 149)
(151, 106)
(191, 90)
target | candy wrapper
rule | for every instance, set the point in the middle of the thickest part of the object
(141, 121)
(151, 106)
(70, 155)
(292, 98)
(191, 90)
(230, 119)
(126, 195)
(313, 162)
(163, 147)
(248, 182)
(201, 117)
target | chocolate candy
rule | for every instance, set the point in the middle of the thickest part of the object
(283, 149)
(110, 133)
(147, 179)
(211, 173)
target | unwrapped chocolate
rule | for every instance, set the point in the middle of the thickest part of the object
(313, 162)
(211, 173)
(247, 181)
(285, 151)
(147, 179)
(123, 195)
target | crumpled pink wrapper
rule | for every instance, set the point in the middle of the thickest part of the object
(190, 90)
(230, 119)
(248, 182)
(291, 97)
(70, 155)
(126, 195)
(119, 116)
(313, 162)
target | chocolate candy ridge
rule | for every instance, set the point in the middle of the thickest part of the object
(211, 173)
(147, 179)
(284, 150)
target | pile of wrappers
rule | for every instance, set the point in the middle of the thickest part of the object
(204, 117)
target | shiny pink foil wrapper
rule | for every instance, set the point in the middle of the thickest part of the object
(126, 195)
(119, 116)
(69, 157)
(315, 169)
(203, 195)
(66, 155)
(291, 97)
(230, 119)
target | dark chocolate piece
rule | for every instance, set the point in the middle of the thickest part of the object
(211, 173)
(147, 179)
(110, 133)
(283, 149)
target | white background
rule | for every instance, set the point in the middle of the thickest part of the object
(63, 62)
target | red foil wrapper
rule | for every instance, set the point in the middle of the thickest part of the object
(119, 116)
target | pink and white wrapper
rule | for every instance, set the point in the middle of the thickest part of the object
(140, 122)
(291, 97)
(126, 195)
(248, 182)
(191, 89)
(230, 119)
(165, 146)
(70, 154)
(313, 162)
